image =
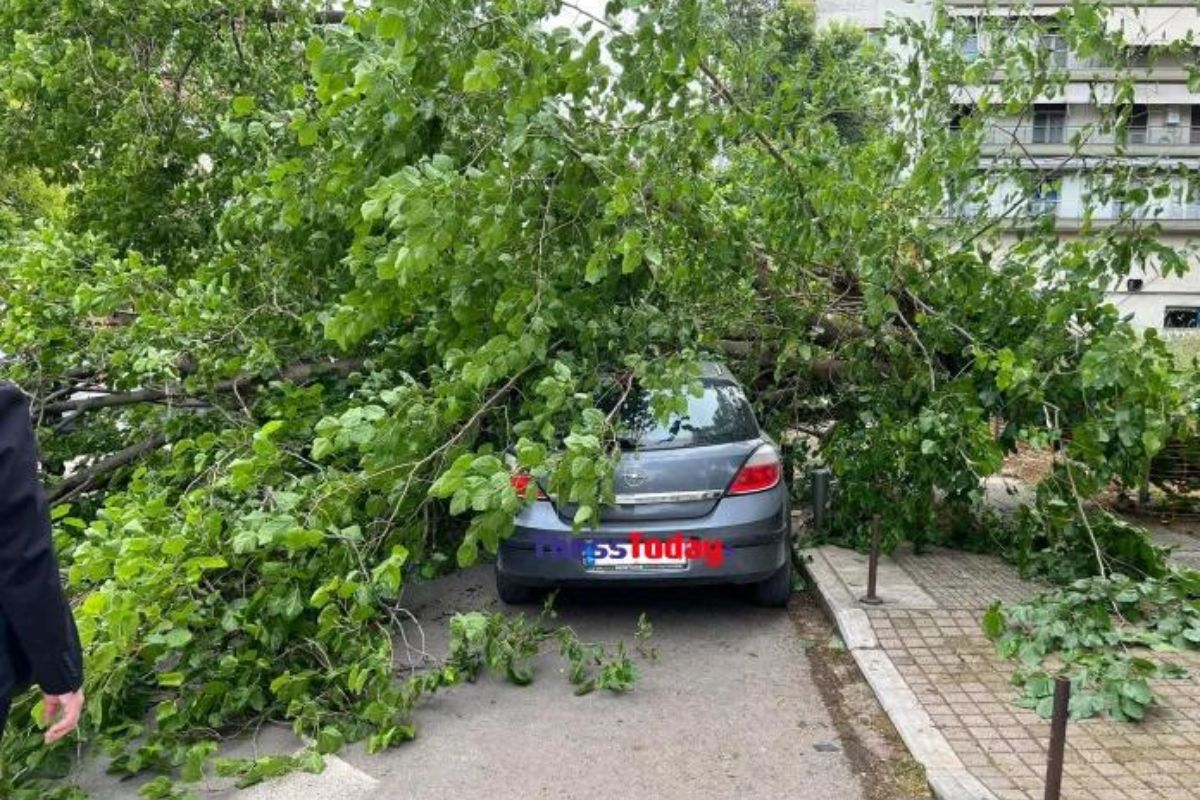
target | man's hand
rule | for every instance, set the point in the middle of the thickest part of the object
(63, 710)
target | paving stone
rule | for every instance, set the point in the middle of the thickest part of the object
(930, 635)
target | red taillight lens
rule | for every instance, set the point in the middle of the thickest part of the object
(521, 480)
(761, 471)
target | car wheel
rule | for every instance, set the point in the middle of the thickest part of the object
(775, 591)
(513, 593)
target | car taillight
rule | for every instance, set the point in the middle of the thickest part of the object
(761, 471)
(521, 480)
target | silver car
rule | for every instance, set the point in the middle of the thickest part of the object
(700, 499)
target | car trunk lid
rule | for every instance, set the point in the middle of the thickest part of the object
(677, 483)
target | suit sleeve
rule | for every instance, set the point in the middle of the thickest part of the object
(31, 595)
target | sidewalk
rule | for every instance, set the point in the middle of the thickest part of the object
(924, 653)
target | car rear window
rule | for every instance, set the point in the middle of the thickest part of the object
(719, 415)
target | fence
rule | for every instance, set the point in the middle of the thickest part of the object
(1053, 132)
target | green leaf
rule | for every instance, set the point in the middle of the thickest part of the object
(306, 134)
(391, 24)
(243, 105)
(330, 740)
(482, 76)
(520, 675)
(177, 638)
(321, 447)
(993, 621)
(170, 679)
(467, 554)
(1137, 690)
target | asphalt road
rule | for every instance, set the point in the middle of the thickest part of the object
(729, 708)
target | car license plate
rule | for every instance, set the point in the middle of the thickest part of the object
(600, 558)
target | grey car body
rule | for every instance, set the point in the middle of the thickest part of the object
(666, 486)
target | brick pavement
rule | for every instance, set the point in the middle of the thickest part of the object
(930, 629)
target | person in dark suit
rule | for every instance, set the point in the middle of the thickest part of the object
(38, 640)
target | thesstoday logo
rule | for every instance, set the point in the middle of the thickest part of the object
(635, 548)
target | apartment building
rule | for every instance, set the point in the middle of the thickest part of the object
(1070, 136)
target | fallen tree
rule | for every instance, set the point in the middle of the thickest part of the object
(465, 216)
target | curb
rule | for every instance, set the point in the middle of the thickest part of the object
(948, 777)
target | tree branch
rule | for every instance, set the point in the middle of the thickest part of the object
(295, 373)
(326, 16)
(82, 480)
(762, 138)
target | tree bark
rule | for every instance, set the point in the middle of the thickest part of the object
(82, 480)
(328, 16)
(295, 373)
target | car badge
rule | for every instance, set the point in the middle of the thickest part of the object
(634, 477)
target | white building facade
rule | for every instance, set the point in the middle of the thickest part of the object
(1163, 132)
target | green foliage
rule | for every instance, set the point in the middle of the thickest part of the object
(1099, 632)
(507, 646)
(962, 330)
(503, 645)
(1051, 538)
(26, 198)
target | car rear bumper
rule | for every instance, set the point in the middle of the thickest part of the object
(740, 565)
(754, 530)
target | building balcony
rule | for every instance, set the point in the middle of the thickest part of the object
(1181, 218)
(1031, 139)
(1059, 3)
(1096, 70)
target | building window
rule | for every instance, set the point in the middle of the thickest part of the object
(1191, 202)
(1181, 317)
(970, 47)
(1043, 201)
(963, 200)
(1195, 125)
(1056, 49)
(959, 115)
(1137, 201)
(1139, 124)
(1138, 56)
(1049, 124)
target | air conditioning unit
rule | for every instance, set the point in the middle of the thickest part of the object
(1173, 116)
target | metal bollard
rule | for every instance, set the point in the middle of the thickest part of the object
(787, 451)
(1058, 738)
(871, 598)
(820, 498)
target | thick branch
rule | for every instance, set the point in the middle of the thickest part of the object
(726, 95)
(296, 373)
(828, 370)
(84, 479)
(327, 16)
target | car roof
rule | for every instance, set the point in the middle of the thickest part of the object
(715, 371)
(710, 372)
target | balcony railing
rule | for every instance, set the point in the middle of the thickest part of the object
(1158, 212)
(1035, 207)
(1079, 67)
(1056, 134)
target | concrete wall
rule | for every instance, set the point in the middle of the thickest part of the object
(869, 15)
(1147, 306)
